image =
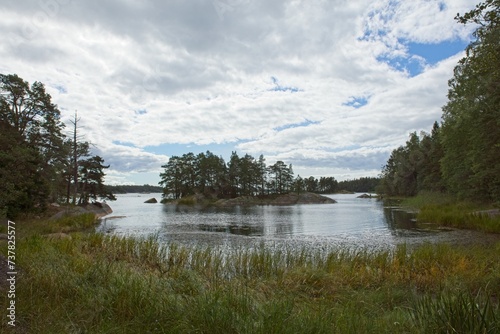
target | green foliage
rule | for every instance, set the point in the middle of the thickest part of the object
(92, 180)
(281, 178)
(31, 145)
(462, 156)
(414, 167)
(132, 188)
(208, 174)
(457, 313)
(459, 215)
(472, 115)
(364, 184)
(426, 198)
(323, 185)
(36, 161)
(444, 210)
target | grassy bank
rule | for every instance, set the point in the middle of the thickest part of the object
(106, 284)
(445, 210)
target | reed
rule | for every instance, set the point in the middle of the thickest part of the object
(444, 210)
(460, 217)
(457, 313)
(98, 283)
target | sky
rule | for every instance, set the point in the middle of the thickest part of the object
(331, 87)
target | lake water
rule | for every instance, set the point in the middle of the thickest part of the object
(351, 222)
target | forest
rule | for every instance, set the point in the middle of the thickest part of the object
(460, 155)
(242, 176)
(39, 164)
(133, 188)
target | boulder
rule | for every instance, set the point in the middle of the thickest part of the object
(151, 200)
(99, 209)
(311, 198)
(69, 211)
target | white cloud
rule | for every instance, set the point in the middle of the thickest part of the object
(150, 73)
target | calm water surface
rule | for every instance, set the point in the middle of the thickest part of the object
(352, 222)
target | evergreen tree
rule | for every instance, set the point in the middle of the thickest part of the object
(37, 164)
(91, 180)
(32, 144)
(171, 178)
(261, 175)
(311, 184)
(234, 171)
(471, 118)
(414, 167)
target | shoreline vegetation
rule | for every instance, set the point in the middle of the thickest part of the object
(98, 283)
(444, 210)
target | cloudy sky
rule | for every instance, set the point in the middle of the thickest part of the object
(331, 87)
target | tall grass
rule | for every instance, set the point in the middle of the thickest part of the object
(445, 210)
(98, 283)
(65, 224)
(457, 313)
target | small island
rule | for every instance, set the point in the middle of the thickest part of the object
(283, 199)
(206, 179)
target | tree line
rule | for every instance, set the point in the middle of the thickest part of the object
(461, 154)
(209, 174)
(133, 188)
(38, 162)
(363, 184)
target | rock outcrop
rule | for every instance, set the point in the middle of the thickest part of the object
(286, 199)
(365, 196)
(304, 198)
(151, 200)
(99, 209)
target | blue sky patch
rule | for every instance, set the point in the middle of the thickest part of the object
(434, 53)
(279, 88)
(61, 89)
(141, 112)
(295, 125)
(356, 102)
(123, 143)
(404, 64)
(419, 55)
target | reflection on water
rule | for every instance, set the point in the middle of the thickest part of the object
(351, 221)
(398, 219)
(277, 221)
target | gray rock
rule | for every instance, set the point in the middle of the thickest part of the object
(99, 209)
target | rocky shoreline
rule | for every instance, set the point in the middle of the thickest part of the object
(285, 199)
(99, 209)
